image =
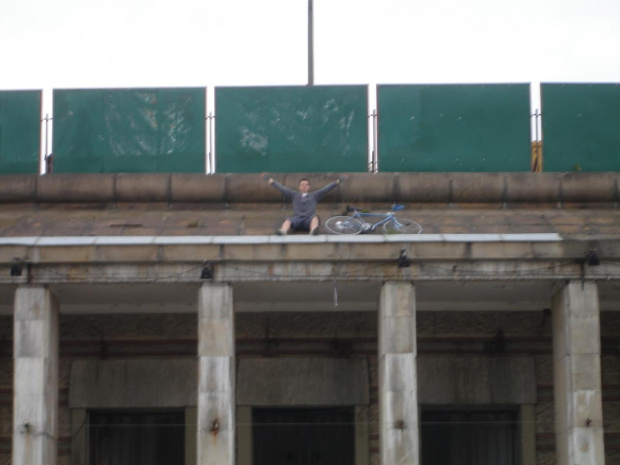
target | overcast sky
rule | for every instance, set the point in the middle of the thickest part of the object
(47, 44)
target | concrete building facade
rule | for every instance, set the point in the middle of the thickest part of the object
(493, 335)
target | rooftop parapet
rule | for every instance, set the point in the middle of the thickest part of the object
(359, 187)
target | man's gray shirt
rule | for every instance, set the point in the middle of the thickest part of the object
(304, 206)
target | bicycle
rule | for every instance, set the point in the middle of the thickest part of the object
(355, 223)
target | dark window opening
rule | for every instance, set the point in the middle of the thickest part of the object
(136, 438)
(323, 436)
(469, 438)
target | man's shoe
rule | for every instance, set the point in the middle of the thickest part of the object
(280, 232)
(314, 232)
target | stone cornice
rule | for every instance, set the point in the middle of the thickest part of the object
(318, 258)
(359, 187)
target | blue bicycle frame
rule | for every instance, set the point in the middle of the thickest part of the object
(369, 227)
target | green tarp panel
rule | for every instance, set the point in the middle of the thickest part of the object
(581, 127)
(291, 129)
(20, 131)
(129, 131)
(460, 128)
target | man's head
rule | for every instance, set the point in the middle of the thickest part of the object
(304, 186)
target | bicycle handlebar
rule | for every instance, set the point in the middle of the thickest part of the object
(395, 207)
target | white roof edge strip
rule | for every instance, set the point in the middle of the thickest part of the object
(54, 241)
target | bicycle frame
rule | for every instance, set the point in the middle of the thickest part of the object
(370, 227)
(355, 222)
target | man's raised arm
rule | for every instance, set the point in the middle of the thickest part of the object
(324, 190)
(285, 190)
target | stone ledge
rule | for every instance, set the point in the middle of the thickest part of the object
(266, 249)
(359, 187)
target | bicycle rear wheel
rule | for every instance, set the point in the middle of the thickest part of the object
(343, 225)
(402, 226)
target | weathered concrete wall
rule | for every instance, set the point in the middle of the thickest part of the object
(144, 383)
(444, 333)
(476, 380)
(360, 187)
(92, 339)
(349, 335)
(302, 382)
(468, 334)
(331, 335)
(352, 334)
(478, 333)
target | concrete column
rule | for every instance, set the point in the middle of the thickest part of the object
(398, 390)
(216, 376)
(35, 383)
(577, 375)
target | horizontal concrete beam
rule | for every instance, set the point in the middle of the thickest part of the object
(193, 249)
(305, 258)
(359, 187)
(324, 248)
(496, 270)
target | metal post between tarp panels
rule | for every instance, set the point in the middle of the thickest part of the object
(47, 156)
(210, 136)
(310, 43)
(374, 165)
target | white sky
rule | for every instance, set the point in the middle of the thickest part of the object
(47, 44)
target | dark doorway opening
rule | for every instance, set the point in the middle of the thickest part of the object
(136, 438)
(323, 436)
(469, 437)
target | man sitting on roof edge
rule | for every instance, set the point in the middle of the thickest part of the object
(304, 205)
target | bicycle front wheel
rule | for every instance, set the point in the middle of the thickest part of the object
(343, 225)
(402, 226)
